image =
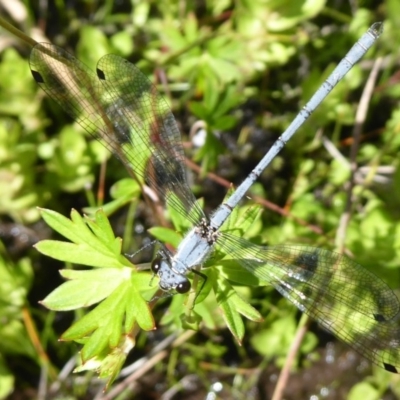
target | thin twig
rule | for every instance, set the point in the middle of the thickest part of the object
(62, 376)
(334, 152)
(164, 344)
(360, 119)
(185, 382)
(294, 348)
(32, 331)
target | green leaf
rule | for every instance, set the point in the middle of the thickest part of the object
(173, 313)
(276, 339)
(59, 223)
(86, 51)
(125, 187)
(14, 339)
(96, 247)
(209, 318)
(225, 70)
(242, 220)
(104, 323)
(204, 288)
(226, 297)
(233, 271)
(166, 235)
(119, 290)
(6, 380)
(77, 254)
(101, 227)
(199, 110)
(111, 365)
(85, 288)
(365, 391)
(233, 307)
(137, 307)
(190, 27)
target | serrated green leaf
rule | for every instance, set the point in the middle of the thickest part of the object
(78, 232)
(95, 247)
(85, 235)
(104, 323)
(59, 223)
(101, 227)
(139, 308)
(146, 283)
(78, 254)
(227, 299)
(98, 341)
(245, 309)
(85, 288)
(110, 309)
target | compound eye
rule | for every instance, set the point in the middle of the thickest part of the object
(156, 264)
(183, 287)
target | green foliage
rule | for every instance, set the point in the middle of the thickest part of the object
(18, 158)
(15, 282)
(243, 68)
(121, 291)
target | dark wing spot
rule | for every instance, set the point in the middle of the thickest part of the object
(37, 77)
(115, 113)
(307, 291)
(305, 265)
(100, 74)
(390, 368)
(379, 317)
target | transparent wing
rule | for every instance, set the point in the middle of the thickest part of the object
(123, 109)
(346, 299)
